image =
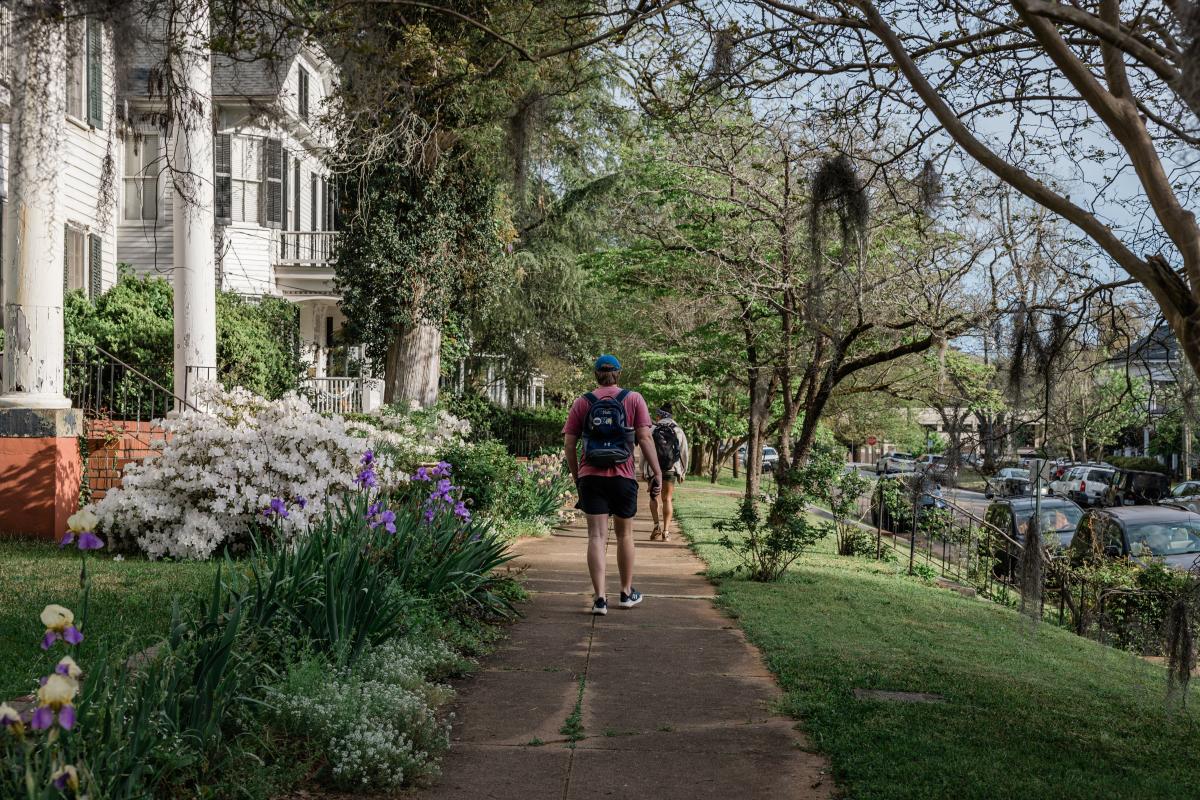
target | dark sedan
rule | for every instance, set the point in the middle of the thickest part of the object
(1058, 517)
(1141, 533)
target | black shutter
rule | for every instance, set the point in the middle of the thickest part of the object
(273, 154)
(95, 266)
(284, 185)
(329, 331)
(95, 73)
(299, 183)
(223, 177)
(66, 258)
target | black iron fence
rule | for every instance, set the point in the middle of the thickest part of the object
(1118, 603)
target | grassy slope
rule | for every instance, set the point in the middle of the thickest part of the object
(1029, 713)
(131, 604)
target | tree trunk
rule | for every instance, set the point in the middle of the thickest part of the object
(413, 368)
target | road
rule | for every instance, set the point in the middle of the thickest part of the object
(971, 501)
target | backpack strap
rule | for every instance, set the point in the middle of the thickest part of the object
(621, 395)
(591, 398)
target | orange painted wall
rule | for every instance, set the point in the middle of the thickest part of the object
(39, 485)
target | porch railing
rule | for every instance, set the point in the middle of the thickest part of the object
(305, 248)
(343, 395)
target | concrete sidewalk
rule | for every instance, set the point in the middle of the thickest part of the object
(663, 701)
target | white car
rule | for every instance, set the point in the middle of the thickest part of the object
(895, 462)
(1086, 484)
(770, 457)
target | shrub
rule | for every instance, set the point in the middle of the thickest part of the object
(219, 471)
(826, 479)
(377, 723)
(1139, 463)
(482, 470)
(257, 341)
(767, 548)
(409, 438)
(537, 490)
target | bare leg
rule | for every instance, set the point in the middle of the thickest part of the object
(668, 505)
(625, 553)
(653, 506)
(597, 543)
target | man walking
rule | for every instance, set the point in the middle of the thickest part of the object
(610, 420)
(671, 445)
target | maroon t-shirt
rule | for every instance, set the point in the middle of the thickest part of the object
(637, 416)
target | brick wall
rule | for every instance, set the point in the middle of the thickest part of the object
(114, 444)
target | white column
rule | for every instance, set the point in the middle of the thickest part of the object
(33, 225)
(193, 236)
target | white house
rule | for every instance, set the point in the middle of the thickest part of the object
(275, 208)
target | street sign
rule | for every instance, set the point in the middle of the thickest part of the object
(871, 440)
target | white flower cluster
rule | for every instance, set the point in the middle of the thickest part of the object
(219, 470)
(417, 437)
(378, 724)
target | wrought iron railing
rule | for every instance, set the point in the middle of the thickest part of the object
(105, 386)
(305, 248)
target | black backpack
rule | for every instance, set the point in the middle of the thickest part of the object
(666, 444)
(607, 439)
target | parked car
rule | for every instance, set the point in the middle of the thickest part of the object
(1086, 484)
(1140, 533)
(1135, 487)
(1185, 489)
(895, 462)
(1009, 482)
(929, 499)
(1058, 517)
(770, 457)
(930, 463)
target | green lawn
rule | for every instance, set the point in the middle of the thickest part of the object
(1029, 713)
(131, 604)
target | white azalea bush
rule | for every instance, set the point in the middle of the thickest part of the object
(222, 473)
(377, 724)
(413, 437)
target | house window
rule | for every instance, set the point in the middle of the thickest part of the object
(85, 77)
(76, 69)
(75, 270)
(141, 177)
(246, 178)
(302, 93)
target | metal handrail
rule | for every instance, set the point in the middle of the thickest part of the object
(137, 372)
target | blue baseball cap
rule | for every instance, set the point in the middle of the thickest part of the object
(607, 362)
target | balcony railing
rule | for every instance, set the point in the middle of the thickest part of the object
(305, 248)
(343, 395)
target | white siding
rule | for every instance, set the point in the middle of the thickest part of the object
(244, 258)
(146, 245)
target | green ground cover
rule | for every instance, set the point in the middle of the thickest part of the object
(131, 603)
(1028, 713)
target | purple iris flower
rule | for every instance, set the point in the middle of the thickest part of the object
(387, 519)
(71, 635)
(301, 501)
(368, 458)
(43, 717)
(462, 512)
(375, 508)
(422, 474)
(90, 541)
(429, 515)
(366, 479)
(67, 539)
(66, 717)
(278, 507)
(61, 781)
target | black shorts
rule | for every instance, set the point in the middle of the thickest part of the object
(603, 495)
